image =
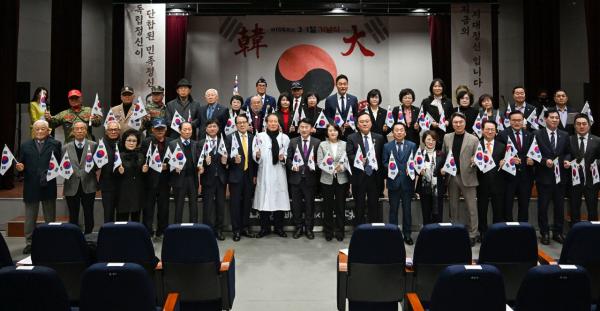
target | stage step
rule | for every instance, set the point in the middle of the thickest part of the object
(16, 226)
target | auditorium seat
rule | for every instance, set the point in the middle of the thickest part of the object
(438, 245)
(5, 258)
(582, 247)
(465, 287)
(192, 268)
(120, 286)
(372, 276)
(62, 247)
(32, 288)
(512, 248)
(554, 287)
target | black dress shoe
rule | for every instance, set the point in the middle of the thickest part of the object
(558, 238)
(339, 237)
(328, 237)
(263, 233)
(473, 242)
(247, 233)
(236, 236)
(545, 239)
(310, 235)
(408, 240)
(27, 250)
(479, 238)
(281, 233)
(297, 233)
(220, 235)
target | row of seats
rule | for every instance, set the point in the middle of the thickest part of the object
(375, 271)
(190, 263)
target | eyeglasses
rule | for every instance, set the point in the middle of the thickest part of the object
(241, 122)
(131, 140)
(112, 130)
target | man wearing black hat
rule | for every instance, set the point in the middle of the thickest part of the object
(156, 106)
(157, 184)
(185, 106)
(123, 112)
(269, 102)
(297, 98)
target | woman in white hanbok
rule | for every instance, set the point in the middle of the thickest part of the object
(271, 195)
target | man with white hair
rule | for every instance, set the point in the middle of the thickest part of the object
(212, 110)
(35, 156)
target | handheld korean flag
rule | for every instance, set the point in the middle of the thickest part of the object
(235, 86)
(189, 119)
(117, 161)
(419, 161)
(327, 163)
(234, 147)
(595, 175)
(534, 151)
(96, 109)
(488, 162)
(311, 160)
(296, 118)
(206, 149)
(372, 160)
(346, 163)
(359, 160)
(575, 178)
(89, 160)
(410, 166)
(156, 161)
(400, 117)
(556, 170)
(337, 119)
(532, 120)
(176, 122)
(350, 119)
(110, 116)
(178, 159)
(101, 155)
(222, 149)
(297, 161)
(477, 126)
(392, 167)
(168, 154)
(389, 118)
(499, 123)
(53, 168)
(139, 109)
(149, 153)
(479, 158)
(230, 127)
(586, 110)
(43, 105)
(507, 116)
(541, 121)
(321, 121)
(134, 123)
(7, 160)
(422, 119)
(66, 169)
(450, 164)
(509, 161)
(442, 124)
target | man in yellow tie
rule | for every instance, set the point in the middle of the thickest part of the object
(242, 178)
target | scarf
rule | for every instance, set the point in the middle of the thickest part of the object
(274, 146)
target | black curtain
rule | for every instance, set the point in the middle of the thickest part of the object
(118, 47)
(9, 31)
(441, 49)
(541, 26)
(65, 51)
(592, 20)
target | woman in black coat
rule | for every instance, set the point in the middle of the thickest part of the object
(410, 115)
(434, 105)
(465, 106)
(131, 180)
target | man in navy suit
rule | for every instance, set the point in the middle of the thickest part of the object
(212, 111)
(267, 100)
(521, 183)
(401, 187)
(561, 100)
(521, 105)
(342, 102)
(554, 143)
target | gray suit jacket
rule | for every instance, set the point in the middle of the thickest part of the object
(324, 148)
(88, 180)
(468, 173)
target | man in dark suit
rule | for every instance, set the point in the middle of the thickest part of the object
(214, 180)
(257, 115)
(80, 188)
(490, 189)
(108, 180)
(212, 110)
(303, 179)
(584, 146)
(185, 106)
(521, 105)
(401, 186)
(342, 102)
(297, 100)
(266, 100)
(242, 179)
(157, 184)
(35, 156)
(520, 184)
(185, 181)
(564, 109)
(364, 182)
(553, 143)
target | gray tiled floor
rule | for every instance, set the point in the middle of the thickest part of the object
(274, 273)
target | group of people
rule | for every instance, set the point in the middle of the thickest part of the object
(277, 155)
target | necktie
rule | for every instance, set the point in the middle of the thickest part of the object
(79, 145)
(553, 141)
(295, 104)
(209, 111)
(581, 147)
(343, 100)
(39, 145)
(245, 148)
(399, 147)
(186, 142)
(518, 136)
(305, 149)
(368, 168)
(489, 147)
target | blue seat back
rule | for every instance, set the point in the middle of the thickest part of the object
(59, 243)
(582, 244)
(5, 258)
(32, 288)
(125, 242)
(442, 244)
(376, 244)
(193, 243)
(552, 287)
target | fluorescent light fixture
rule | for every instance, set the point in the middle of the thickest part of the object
(338, 11)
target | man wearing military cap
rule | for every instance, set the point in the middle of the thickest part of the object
(76, 113)
(123, 111)
(297, 98)
(185, 105)
(156, 106)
